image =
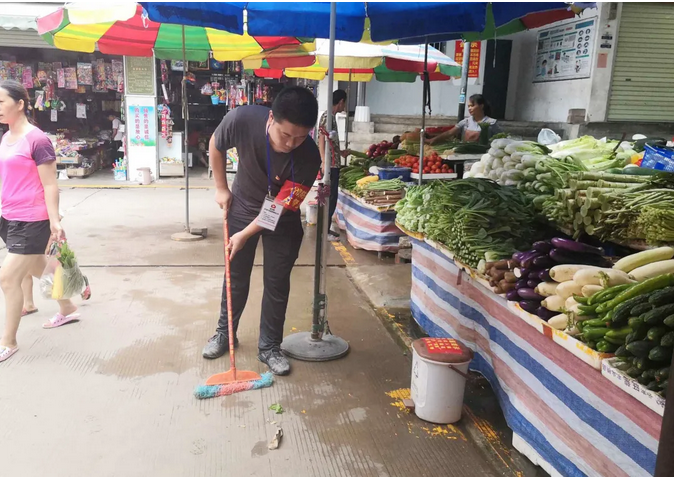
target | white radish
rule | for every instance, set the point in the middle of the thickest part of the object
(602, 277)
(643, 258)
(569, 303)
(590, 290)
(554, 303)
(565, 272)
(546, 289)
(653, 270)
(559, 322)
(568, 288)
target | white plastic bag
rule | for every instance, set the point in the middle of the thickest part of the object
(61, 281)
(547, 136)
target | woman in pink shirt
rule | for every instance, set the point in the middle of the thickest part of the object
(30, 210)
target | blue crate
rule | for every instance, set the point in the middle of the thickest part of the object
(393, 173)
(661, 159)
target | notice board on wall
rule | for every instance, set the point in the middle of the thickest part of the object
(139, 75)
(473, 61)
(565, 52)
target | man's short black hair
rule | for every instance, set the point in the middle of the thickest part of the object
(337, 96)
(297, 105)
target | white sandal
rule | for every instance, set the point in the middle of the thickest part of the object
(6, 352)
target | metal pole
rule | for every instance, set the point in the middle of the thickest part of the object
(361, 94)
(323, 219)
(423, 115)
(185, 139)
(464, 80)
(348, 98)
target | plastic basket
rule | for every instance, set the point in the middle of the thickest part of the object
(392, 173)
(658, 158)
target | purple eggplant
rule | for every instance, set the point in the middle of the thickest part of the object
(543, 261)
(529, 260)
(521, 272)
(562, 256)
(532, 283)
(529, 294)
(544, 275)
(513, 296)
(530, 305)
(542, 246)
(518, 255)
(521, 284)
(575, 246)
(545, 314)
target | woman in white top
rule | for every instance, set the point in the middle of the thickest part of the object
(469, 128)
(117, 135)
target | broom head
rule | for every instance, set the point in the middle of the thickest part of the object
(232, 376)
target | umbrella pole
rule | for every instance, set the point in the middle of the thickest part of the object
(348, 97)
(464, 80)
(422, 135)
(320, 345)
(186, 235)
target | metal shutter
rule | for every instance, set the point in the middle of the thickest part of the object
(22, 38)
(642, 88)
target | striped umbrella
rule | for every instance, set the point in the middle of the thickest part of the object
(125, 29)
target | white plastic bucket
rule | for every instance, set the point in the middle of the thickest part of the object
(437, 390)
(312, 213)
(146, 176)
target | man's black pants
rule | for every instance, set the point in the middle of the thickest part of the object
(281, 248)
(334, 192)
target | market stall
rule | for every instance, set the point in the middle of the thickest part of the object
(576, 337)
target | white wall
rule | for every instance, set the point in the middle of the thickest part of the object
(406, 98)
(551, 101)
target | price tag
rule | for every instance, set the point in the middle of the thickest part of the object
(270, 214)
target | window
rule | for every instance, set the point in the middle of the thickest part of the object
(441, 46)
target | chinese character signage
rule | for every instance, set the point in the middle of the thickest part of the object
(565, 52)
(142, 125)
(473, 61)
(139, 75)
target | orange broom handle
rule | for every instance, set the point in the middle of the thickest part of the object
(228, 288)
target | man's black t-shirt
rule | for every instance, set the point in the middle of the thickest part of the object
(245, 128)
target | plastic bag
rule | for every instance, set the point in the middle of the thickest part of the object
(62, 278)
(547, 136)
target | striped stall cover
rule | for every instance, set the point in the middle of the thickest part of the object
(572, 416)
(366, 228)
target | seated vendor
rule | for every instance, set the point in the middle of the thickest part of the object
(468, 129)
(193, 143)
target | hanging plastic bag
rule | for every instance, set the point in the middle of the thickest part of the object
(207, 89)
(62, 278)
(547, 136)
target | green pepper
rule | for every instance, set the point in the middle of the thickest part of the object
(580, 299)
(649, 285)
(592, 334)
(613, 340)
(606, 347)
(588, 309)
(621, 333)
(599, 322)
(606, 295)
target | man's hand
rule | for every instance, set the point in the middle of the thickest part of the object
(236, 243)
(432, 140)
(346, 153)
(224, 199)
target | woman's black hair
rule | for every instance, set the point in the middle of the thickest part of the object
(478, 99)
(17, 92)
(297, 105)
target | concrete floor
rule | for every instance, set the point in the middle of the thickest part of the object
(112, 394)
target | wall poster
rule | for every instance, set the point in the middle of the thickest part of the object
(565, 52)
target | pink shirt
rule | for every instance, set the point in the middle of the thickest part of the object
(22, 192)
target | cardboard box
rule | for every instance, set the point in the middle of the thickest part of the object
(80, 172)
(171, 170)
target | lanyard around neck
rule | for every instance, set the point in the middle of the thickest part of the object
(292, 168)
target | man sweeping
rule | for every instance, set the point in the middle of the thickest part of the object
(278, 165)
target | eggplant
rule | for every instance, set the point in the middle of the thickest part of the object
(532, 283)
(544, 276)
(575, 246)
(545, 314)
(542, 246)
(543, 261)
(562, 256)
(530, 294)
(529, 305)
(529, 261)
(518, 256)
(522, 284)
(521, 272)
(513, 296)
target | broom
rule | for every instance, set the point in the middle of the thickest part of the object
(231, 381)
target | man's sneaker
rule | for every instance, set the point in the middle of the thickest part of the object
(217, 346)
(333, 237)
(275, 360)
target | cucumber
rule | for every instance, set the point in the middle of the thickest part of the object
(633, 372)
(667, 340)
(660, 354)
(622, 311)
(669, 321)
(653, 386)
(643, 364)
(640, 348)
(662, 297)
(639, 309)
(649, 374)
(643, 381)
(635, 322)
(622, 352)
(658, 315)
(656, 333)
(662, 374)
